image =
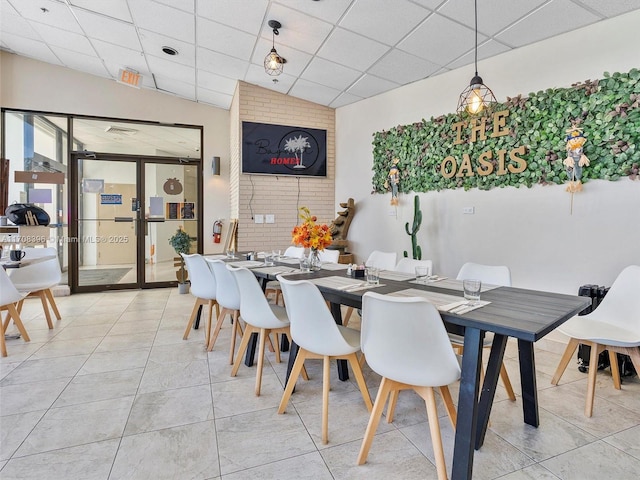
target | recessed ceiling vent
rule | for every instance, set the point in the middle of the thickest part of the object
(120, 130)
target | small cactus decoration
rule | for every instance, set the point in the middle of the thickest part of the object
(417, 220)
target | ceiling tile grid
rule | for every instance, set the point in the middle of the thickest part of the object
(337, 51)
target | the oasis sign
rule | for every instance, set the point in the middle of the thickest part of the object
(499, 162)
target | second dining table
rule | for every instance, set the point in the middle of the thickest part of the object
(526, 315)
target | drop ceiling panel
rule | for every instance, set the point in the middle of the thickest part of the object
(224, 39)
(176, 87)
(184, 5)
(488, 49)
(57, 14)
(112, 31)
(427, 41)
(256, 76)
(330, 74)
(152, 44)
(314, 92)
(121, 56)
(384, 21)
(552, 19)
(612, 8)
(361, 54)
(403, 68)
(344, 99)
(235, 14)
(493, 15)
(298, 31)
(169, 69)
(217, 83)
(216, 99)
(330, 11)
(62, 38)
(80, 62)
(11, 24)
(30, 48)
(118, 9)
(370, 85)
(165, 20)
(221, 64)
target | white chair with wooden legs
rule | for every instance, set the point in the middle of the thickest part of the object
(318, 336)
(378, 259)
(614, 325)
(273, 286)
(37, 279)
(259, 317)
(408, 265)
(490, 275)
(9, 296)
(203, 287)
(228, 297)
(329, 256)
(405, 342)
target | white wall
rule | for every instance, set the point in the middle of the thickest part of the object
(32, 85)
(531, 230)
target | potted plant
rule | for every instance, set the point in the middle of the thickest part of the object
(181, 243)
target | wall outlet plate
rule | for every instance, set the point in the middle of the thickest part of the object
(258, 218)
(270, 218)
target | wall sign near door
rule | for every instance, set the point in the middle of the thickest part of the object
(110, 199)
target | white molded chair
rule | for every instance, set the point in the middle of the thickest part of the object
(37, 279)
(259, 317)
(318, 336)
(490, 275)
(329, 256)
(273, 287)
(614, 325)
(228, 297)
(381, 260)
(203, 287)
(408, 265)
(9, 296)
(406, 343)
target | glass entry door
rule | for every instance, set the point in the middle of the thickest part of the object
(126, 209)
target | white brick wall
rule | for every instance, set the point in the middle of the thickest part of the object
(277, 195)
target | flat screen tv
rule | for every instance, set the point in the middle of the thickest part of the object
(283, 150)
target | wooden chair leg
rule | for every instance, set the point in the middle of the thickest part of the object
(298, 365)
(615, 371)
(564, 361)
(391, 408)
(347, 317)
(591, 385)
(264, 334)
(448, 404)
(276, 347)
(207, 330)
(326, 382)
(436, 438)
(216, 331)
(634, 353)
(237, 330)
(3, 344)
(362, 384)
(52, 303)
(192, 318)
(45, 307)
(507, 382)
(15, 315)
(386, 386)
(248, 330)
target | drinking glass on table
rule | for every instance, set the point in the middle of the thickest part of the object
(472, 289)
(268, 259)
(422, 274)
(231, 253)
(373, 275)
(305, 264)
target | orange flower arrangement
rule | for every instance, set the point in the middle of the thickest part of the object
(309, 234)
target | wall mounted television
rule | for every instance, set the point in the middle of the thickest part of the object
(269, 149)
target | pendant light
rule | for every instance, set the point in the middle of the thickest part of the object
(274, 63)
(477, 98)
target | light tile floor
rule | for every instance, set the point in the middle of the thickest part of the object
(113, 392)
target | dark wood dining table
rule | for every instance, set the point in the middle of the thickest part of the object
(526, 315)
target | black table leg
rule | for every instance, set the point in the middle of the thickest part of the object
(528, 380)
(489, 386)
(467, 405)
(196, 324)
(343, 371)
(251, 350)
(284, 343)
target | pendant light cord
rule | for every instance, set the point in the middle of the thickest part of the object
(476, 23)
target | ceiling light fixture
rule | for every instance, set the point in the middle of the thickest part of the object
(274, 63)
(477, 98)
(169, 50)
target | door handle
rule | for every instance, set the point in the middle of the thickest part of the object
(123, 219)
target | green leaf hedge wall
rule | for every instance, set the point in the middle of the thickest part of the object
(607, 110)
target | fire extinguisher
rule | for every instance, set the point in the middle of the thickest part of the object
(217, 230)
